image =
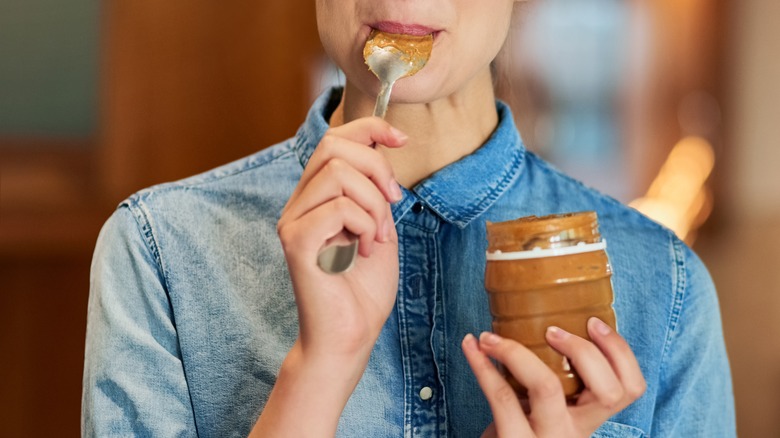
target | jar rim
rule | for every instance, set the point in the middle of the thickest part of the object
(537, 252)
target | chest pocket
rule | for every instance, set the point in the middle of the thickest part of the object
(617, 430)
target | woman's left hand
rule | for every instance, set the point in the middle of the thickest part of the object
(607, 366)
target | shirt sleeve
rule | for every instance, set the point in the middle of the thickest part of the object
(134, 382)
(695, 394)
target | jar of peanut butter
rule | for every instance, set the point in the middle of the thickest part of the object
(544, 271)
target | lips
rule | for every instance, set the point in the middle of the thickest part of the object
(404, 29)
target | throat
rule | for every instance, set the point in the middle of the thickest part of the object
(434, 145)
(440, 132)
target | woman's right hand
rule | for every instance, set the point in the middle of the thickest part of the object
(347, 184)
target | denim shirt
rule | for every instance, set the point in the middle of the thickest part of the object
(191, 308)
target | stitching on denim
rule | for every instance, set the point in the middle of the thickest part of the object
(143, 216)
(622, 428)
(440, 365)
(617, 206)
(405, 358)
(149, 234)
(513, 171)
(680, 284)
(437, 203)
(418, 227)
(250, 163)
(133, 204)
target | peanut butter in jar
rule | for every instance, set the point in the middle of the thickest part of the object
(548, 271)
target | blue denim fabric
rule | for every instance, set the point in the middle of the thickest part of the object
(191, 310)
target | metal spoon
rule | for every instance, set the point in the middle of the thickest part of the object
(390, 57)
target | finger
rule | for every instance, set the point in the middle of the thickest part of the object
(349, 142)
(620, 357)
(303, 238)
(365, 160)
(392, 233)
(370, 130)
(337, 179)
(545, 393)
(508, 416)
(592, 366)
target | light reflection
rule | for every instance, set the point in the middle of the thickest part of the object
(678, 197)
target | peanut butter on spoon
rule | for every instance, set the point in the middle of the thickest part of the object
(412, 49)
(394, 56)
(390, 57)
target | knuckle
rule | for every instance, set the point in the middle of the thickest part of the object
(505, 394)
(286, 234)
(622, 347)
(327, 143)
(546, 387)
(612, 397)
(636, 389)
(335, 167)
(341, 203)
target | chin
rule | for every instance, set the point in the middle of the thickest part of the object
(417, 90)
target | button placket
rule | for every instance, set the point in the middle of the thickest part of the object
(416, 304)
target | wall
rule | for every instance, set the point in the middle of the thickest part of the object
(754, 112)
(182, 87)
(742, 249)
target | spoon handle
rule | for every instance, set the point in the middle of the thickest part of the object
(340, 258)
(382, 99)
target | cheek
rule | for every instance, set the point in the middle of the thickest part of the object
(335, 33)
(479, 46)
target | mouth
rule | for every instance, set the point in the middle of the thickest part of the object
(405, 29)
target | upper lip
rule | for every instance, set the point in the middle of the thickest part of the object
(404, 28)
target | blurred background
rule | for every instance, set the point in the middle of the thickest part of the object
(668, 105)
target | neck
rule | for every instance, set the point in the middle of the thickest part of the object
(440, 132)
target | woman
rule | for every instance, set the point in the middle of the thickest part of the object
(202, 323)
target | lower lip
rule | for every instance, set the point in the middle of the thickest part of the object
(404, 29)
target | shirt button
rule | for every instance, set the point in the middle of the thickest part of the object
(418, 208)
(426, 393)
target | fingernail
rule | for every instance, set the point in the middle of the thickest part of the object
(489, 338)
(557, 333)
(470, 342)
(395, 191)
(399, 134)
(385, 230)
(600, 326)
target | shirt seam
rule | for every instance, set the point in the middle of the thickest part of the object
(615, 205)
(474, 210)
(418, 227)
(680, 286)
(143, 219)
(440, 365)
(402, 340)
(251, 163)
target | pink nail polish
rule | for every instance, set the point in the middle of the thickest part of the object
(385, 231)
(470, 342)
(600, 326)
(489, 338)
(399, 134)
(557, 333)
(395, 191)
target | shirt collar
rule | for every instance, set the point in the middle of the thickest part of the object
(458, 193)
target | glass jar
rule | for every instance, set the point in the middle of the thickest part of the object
(545, 271)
